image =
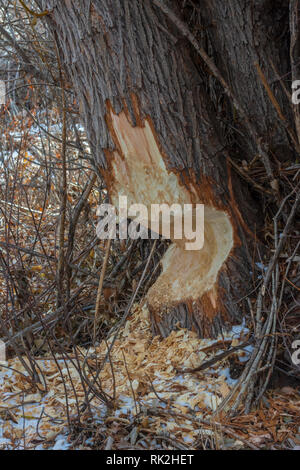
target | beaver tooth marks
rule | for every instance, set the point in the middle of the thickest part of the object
(138, 171)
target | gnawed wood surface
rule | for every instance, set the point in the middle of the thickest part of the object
(139, 172)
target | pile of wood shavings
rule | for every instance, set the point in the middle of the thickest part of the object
(141, 374)
(145, 368)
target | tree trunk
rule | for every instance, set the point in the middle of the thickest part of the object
(243, 34)
(153, 120)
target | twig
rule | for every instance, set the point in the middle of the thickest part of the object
(99, 292)
(277, 107)
(217, 358)
(63, 208)
(126, 313)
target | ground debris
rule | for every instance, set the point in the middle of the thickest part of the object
(154, 405)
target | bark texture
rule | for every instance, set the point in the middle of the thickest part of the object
(245, 33)
(156, 134)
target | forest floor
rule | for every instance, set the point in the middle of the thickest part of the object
(152, 404)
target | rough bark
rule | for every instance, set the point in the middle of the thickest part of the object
(245, 33)
(156, 137)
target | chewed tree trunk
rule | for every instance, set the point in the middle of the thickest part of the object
(156, 136)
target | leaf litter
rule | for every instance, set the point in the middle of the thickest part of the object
(150, 396)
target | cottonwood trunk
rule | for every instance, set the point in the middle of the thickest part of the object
(158, 122)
